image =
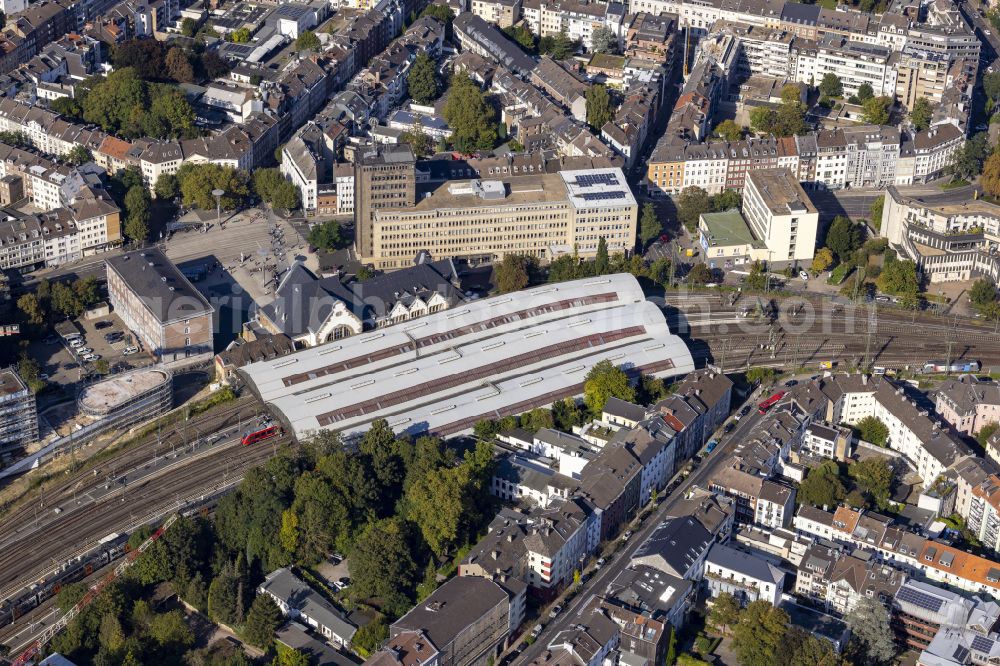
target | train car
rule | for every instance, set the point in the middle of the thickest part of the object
(266, 431)
(770, 402)
(955, 366)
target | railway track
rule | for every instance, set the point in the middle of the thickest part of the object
(29, 558)
(93, 474)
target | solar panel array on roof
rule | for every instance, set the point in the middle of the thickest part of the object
(919, 599)
(592, 179)
(982, 644)
(602, 196)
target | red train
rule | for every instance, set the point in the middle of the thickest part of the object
(266, 431)
(770, 402)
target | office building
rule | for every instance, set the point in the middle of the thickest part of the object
(780, 214)
(384, 178)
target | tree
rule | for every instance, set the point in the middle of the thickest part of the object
(601, 264)
(443, 13)
(439, 505)
(991, 85)
(286, 195)
(79, 155)
(419, 141)
(166, 186)
(729, 130)
(865, 92)
(422, 79)
(843, 237)
(87, 290)
(822, 260)
(699, 274)
(30, 306)
(692, 202)
(760, 375)
(67, 106)
(986, 432)
(725, 200)
(170, 629)
(240, 36)
(471, 118)
(831, 85)
(222, 597)
(991, 174)
(871, 639)
(800, 648)
(179, 66)
(876, 110)
(874, 478)
(559, 46)
(671, 657)
(920, 114)
(758, 634)
(189, 27)
(603, 40)
(102, 367)
(514, 272)
(822, 486)
(983, 291)
(523, 36)
(871, 429)
(137, 208)
(263, 620)
(898, 277)
(649, 225)
(725, 612)
(967, 161)
(197, 181)
(65, 301)
(307, 41)
(382, 564)
(605, 380)
(369, 637)
(598, 107)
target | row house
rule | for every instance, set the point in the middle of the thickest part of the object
(839, 580)
(917, 556)
(968, 403)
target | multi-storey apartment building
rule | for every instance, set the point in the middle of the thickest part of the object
(18, 414)
(780, 214)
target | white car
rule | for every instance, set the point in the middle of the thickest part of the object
(84, 351)
(76, 343)
(804, 275)
(92, 357)
(130, 350)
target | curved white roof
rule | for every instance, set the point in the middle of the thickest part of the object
(442, 372)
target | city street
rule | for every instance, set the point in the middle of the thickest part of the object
(600, 579)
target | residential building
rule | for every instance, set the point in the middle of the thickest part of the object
(466, 620)
(968, 403)
(780, 213)
(678, 547)
(169, 317)
(759, 500)
(983, 517)
(745, 576)
(827, 441)
(299, 601)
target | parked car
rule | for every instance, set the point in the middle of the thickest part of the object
(44, 376)
(555, 611)
(883, 299)
(101, 325)
(536, 631)
(791, 382)
(804, 275)
(342, 584)
(600, 563)
(76, 343)
(627, 535)
(130, 350)
(92, 357)
(83, 351)
(114, 336)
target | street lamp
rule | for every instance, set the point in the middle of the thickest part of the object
(217, 193)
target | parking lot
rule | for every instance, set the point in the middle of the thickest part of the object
(61, 363)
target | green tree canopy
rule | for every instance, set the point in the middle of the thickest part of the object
(197, 181)
(422, 79)
(166, 186)
(873, 477)
(831, 85)
(523, 36)
(967, 161)
(876, 110)
(307, 41)
(559, 46)
(137, 209)
(872, 637)
(699, 274)
(603, 40)
(326, 236)
(263, 620)
(843, 237)
(598, 107)
(872, 429)
(692, 202)
(725, 612)
(898, 277)
(865, 92)
(729, 130)
(79, 155)
(822, 486)
(606, 380)
(758, 634)
(470, 116)
(920, 114)
(514, 272)
(649, 225)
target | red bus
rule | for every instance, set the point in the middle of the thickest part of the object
(266, 432)
(770, 402)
